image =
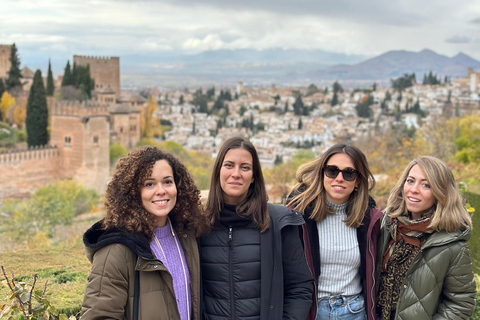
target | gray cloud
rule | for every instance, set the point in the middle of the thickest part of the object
(458, 39)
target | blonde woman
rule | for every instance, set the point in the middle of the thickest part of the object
(426, 269)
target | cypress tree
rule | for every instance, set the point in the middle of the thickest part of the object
(2, 87)
(67, 76)
(37, 113)
(14, 74)
(50, 85)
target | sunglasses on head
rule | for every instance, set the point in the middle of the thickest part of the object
(349, 174)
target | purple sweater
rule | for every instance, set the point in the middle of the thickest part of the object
(173, 261)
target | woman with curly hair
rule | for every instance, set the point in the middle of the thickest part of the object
(426, 270)
(144, 255)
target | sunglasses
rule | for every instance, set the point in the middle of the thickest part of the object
(349, 174)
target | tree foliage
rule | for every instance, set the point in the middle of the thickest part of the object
(6, 103)
(363, 107)
(14, 74)
(79, 78)
(148, 123)
(50, 86)
(37, 113)
(468, 140)
(28, 302)
(49, 207)
(403, 82)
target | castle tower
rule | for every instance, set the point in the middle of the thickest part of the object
(80, 130)
(5, 51)
(104, 70)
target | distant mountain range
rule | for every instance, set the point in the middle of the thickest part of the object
(393, 64)
(291, 67)
(274, 66)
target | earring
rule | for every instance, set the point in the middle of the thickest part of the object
(356, 189)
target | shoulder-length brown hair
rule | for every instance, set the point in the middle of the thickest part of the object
(309, 189)
(123, 200)
(449, 213)
(255, 204)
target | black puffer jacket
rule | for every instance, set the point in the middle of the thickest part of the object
(248, 275)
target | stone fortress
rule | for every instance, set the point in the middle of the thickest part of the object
(80, 135)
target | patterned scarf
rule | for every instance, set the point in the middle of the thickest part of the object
(407, 236)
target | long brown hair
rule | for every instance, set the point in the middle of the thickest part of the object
(255, 204)
(309, 189)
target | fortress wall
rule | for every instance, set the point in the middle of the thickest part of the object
(23, 171)
(105, 70)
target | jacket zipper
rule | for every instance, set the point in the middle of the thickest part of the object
(230, 268)
(372, 296)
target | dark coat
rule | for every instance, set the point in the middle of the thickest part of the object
(286, 284)
(367, 235)
(439, 283)
(110, 288)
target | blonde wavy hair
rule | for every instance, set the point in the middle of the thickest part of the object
(449, 213)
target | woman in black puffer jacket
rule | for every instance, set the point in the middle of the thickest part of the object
(252, 261)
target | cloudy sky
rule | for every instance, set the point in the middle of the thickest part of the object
(58, 29)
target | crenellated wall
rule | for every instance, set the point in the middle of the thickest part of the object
(23, 171)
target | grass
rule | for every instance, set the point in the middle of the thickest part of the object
(63, 265)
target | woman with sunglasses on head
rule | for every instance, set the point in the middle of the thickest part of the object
(252, 260)
(426, 269)
(342, 225)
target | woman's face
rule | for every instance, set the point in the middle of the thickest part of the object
(418, 195)
(338, 189)
(236, 175)
(159, 192)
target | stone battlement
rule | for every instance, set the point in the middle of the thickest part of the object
(17, 156)
(78, 108)
(75, 57)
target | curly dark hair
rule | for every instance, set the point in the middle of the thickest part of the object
(123, 200)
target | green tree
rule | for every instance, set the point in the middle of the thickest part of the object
(37, 113)
(181, 100)
(117, 150)
(67, 76)
(337, 87)
(50, 85)
(50, 206)
(2, 87)
(363, 107)
(312, 89)
(334, 101)
(298, 106)
(468, 140)
(82, 80)
(14, 74)
(403, 82)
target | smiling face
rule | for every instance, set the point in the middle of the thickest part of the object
(236, 175)
(159, 192)
(338, 189)
(418, 195)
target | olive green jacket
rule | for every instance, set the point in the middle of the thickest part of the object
(110, 288)
(440, 283)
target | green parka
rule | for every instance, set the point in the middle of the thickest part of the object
(440, 283)
(110, 287)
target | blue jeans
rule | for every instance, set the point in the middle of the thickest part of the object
(341, 307)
